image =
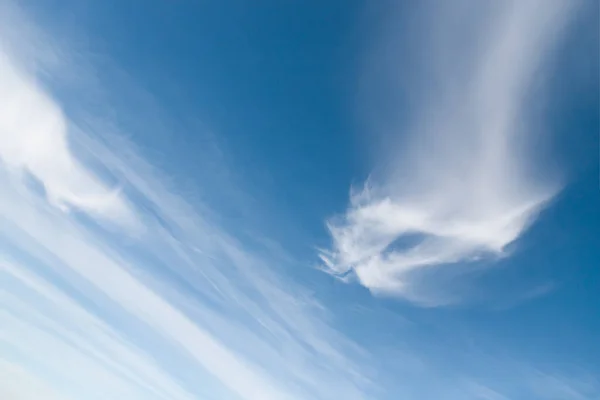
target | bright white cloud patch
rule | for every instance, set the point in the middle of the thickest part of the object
(33, 139)
(460, 185)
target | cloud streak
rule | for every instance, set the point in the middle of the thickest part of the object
(113, 285)
(461, 184)
(133, 293)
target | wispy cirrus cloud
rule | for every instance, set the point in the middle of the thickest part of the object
(462, 182)
(114, 285)
(34, 141)
(128, 291)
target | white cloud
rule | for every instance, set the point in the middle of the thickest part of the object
(462, 183)
(33, 139)
(43, 324)
(91, 312)
(177, 308)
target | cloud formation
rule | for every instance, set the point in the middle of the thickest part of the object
(161, 303)
(113, 285)
(461, 184)
(33, 140)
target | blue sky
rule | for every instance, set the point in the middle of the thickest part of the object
(299, 200)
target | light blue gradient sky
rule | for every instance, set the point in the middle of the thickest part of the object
(299, 200)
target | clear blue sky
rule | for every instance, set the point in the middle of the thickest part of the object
(299, 200)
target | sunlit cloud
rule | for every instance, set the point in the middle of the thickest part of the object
(462, 183)
(33, 140)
